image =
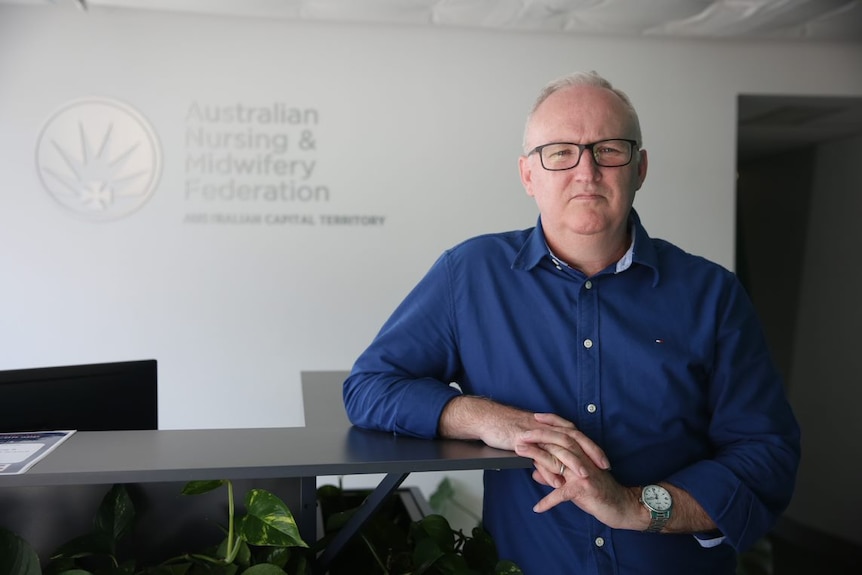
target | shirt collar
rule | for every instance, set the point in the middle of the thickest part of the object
(641, 250)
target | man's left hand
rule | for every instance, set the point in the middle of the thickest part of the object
(561, 457)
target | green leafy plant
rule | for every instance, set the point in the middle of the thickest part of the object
(258, 543)
(440, 549)
(393, 544)
(265, 540)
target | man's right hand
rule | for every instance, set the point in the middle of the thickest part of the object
(501, 426)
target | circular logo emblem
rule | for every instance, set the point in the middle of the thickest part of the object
(99, 158)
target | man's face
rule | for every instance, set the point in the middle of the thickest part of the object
(587, 199)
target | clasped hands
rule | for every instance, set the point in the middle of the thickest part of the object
(577, 468)
(551, 442)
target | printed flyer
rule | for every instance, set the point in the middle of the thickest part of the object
(21, 451)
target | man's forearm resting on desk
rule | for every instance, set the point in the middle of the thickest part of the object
(501, 426)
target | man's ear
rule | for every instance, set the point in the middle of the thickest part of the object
(526, 174)
(642, 168)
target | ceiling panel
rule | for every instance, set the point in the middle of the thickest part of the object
(809, 20)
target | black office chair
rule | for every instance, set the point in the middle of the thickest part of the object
(93, 397)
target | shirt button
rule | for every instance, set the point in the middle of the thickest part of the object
(591, 408)
(588, 343)
(600, 541)
(588, 285)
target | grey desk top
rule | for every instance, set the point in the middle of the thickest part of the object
(327, 445)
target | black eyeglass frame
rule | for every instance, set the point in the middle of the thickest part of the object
(581, 148)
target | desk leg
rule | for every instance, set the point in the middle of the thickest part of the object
(306, 519)
(368, 508)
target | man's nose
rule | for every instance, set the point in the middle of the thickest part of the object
(587, 169)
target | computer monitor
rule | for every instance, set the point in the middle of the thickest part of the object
(92, 397)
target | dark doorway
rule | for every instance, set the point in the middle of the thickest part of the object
(797, 232)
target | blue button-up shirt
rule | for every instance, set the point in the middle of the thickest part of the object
(660, 359)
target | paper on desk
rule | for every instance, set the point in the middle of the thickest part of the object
(21, 451)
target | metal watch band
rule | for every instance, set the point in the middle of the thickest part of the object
(658, 519)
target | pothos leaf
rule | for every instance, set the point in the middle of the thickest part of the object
(16, 555)
(116, 514)
(438, 528)
(199, 487)
(264, 569)
(425, 554)
(268, 521)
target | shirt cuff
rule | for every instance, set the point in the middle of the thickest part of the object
(710, 539)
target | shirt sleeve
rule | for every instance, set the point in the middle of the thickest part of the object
(400, 383)
(749, 482)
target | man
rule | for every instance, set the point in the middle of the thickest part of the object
(634, 375)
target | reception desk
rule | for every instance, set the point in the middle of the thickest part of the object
(327, 445)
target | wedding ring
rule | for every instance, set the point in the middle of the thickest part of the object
(562, 468)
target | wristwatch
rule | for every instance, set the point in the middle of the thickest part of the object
(658, 501)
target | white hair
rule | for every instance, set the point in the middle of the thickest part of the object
(591, 78)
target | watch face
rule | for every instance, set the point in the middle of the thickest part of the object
(657, 497)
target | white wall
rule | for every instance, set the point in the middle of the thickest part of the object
(421, 126)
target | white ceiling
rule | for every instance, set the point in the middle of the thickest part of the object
(765, 123)
(809, 20)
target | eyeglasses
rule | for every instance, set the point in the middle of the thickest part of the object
(558, 156)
